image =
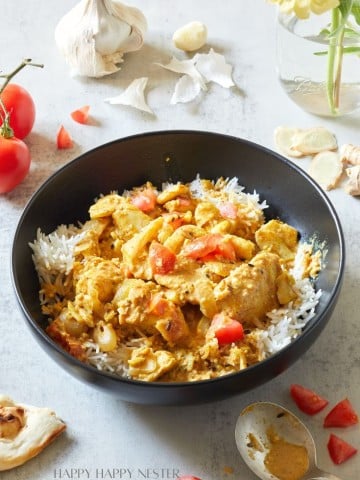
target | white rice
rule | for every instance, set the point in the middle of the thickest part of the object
(53, 256)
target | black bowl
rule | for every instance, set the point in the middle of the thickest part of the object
(171, 156)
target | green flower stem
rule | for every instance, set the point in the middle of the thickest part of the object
(335, 56)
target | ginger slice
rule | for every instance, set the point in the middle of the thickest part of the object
(353, 184)
(284, 140)
(326, 169)
(350, 154)
(311, 141)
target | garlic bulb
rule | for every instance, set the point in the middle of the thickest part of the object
(94, 35)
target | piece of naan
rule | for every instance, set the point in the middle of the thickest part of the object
(25, 431)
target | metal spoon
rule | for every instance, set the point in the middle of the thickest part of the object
(251, 435)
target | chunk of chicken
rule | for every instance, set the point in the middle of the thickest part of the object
(190, 284)
(132, 300)
(106, 206)
(249, 292)
(95, 281)
(278, 237)
(145, 364)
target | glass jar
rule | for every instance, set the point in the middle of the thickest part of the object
(322, 76)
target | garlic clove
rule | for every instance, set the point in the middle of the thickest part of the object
(94, 35)
(213, 68)
(190, 37)
(133, 96)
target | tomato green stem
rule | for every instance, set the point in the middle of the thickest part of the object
(5, 130)
(9, 76)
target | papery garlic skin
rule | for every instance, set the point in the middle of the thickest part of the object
(94, 35)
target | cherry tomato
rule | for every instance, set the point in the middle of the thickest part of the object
(162, 260)
(342, 415)
(14, 162)
(226, 329)
(63, 139)
(21, 107)
(339, 450)
(81, 115)
(307, 400)
(145, 200)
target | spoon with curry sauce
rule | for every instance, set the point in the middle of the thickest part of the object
(276, 445)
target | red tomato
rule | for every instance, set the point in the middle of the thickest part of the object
(188, 477)
(145, 200)
(307, 400)
(339, 450)
(14, 162)
(209, 246)
(63, 139)
(342, 415)
(162, 260)
(21, 107)
(226, 329)
(81, 115)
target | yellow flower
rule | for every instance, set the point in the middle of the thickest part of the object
(303, 8)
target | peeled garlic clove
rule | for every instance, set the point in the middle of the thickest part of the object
(94, 35)
(326, 169)
(284, 140)
(314, 140)
(190, 37)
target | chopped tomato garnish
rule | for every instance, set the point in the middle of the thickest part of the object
(228, 210)
(162, 260)
(145, 200)
(307, 400)
(226, 329)
(81, 115)
(63, 139)
(158, 305)
(209, 247)
(188, 477)
(342, 415)
(339, 450)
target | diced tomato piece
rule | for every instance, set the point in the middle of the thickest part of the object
(81, 115)
(158, 305)
(63, 139)
(342, 415)
(228, 210)
(209, 246)
(226, 329)
(162, 260)
(307, 400)
(188, 477)
(145, 200)
(339, 450)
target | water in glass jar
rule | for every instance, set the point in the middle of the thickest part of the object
(302, 68)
